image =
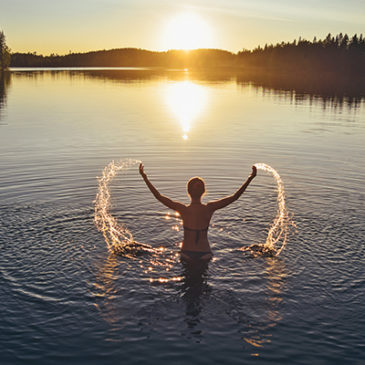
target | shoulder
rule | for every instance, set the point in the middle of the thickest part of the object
(211, 205)
(180, 207)
(209, 208)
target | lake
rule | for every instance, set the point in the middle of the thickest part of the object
(65, 298)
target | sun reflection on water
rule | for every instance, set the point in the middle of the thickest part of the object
(186, 100)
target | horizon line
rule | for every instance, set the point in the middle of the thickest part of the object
(300, 38)
(134, 48)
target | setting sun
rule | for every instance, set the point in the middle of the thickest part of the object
(187, 31)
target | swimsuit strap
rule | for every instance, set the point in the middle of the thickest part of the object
(197, 232)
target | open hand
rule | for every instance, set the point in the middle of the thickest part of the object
(254, 171)
(141, 169)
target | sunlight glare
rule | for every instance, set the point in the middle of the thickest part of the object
(186, 100)
(187, 31)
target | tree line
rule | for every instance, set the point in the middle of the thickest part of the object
(127, 57)
(334, 54)
(4, 53)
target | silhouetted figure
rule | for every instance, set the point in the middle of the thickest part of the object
(196, 216)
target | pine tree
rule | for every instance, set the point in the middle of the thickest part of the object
(4, 53)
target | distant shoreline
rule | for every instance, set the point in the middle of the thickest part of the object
(338, 55)
(250, 71)
(334, 87)
(82, 68)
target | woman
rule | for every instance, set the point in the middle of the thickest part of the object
(196, 216)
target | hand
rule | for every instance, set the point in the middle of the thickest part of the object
(141, 170)
(254, 171)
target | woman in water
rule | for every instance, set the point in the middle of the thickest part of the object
(196, 216)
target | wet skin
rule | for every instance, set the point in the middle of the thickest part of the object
(196, 216)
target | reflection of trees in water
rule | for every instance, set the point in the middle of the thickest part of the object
(155, 74)
(4, 84)
(326, 89)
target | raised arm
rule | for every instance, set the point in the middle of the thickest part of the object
(221, 203)
(163, 199)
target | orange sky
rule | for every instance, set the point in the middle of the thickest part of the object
(49, 26)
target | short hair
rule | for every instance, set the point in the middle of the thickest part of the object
(196, 187)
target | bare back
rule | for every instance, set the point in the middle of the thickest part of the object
(196, 219)
(196, 216)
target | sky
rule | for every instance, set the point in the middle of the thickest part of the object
(54, 26)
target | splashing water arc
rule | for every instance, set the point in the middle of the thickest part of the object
(116, 235)
(119, 239)
(278, 232)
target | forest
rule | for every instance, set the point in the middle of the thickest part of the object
(338, 54)
(4, 53)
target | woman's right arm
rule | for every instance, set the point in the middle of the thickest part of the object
(219, 204)
(163, 199)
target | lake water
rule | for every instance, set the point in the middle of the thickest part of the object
(64, 298)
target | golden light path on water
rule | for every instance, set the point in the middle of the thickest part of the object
(119, 239)
(186, 100)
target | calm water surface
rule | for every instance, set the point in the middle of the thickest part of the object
(65, 298)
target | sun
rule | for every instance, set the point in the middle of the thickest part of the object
(187, 31)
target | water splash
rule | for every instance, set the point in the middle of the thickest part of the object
(120, 240)
(117, 236)
(278, 233)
